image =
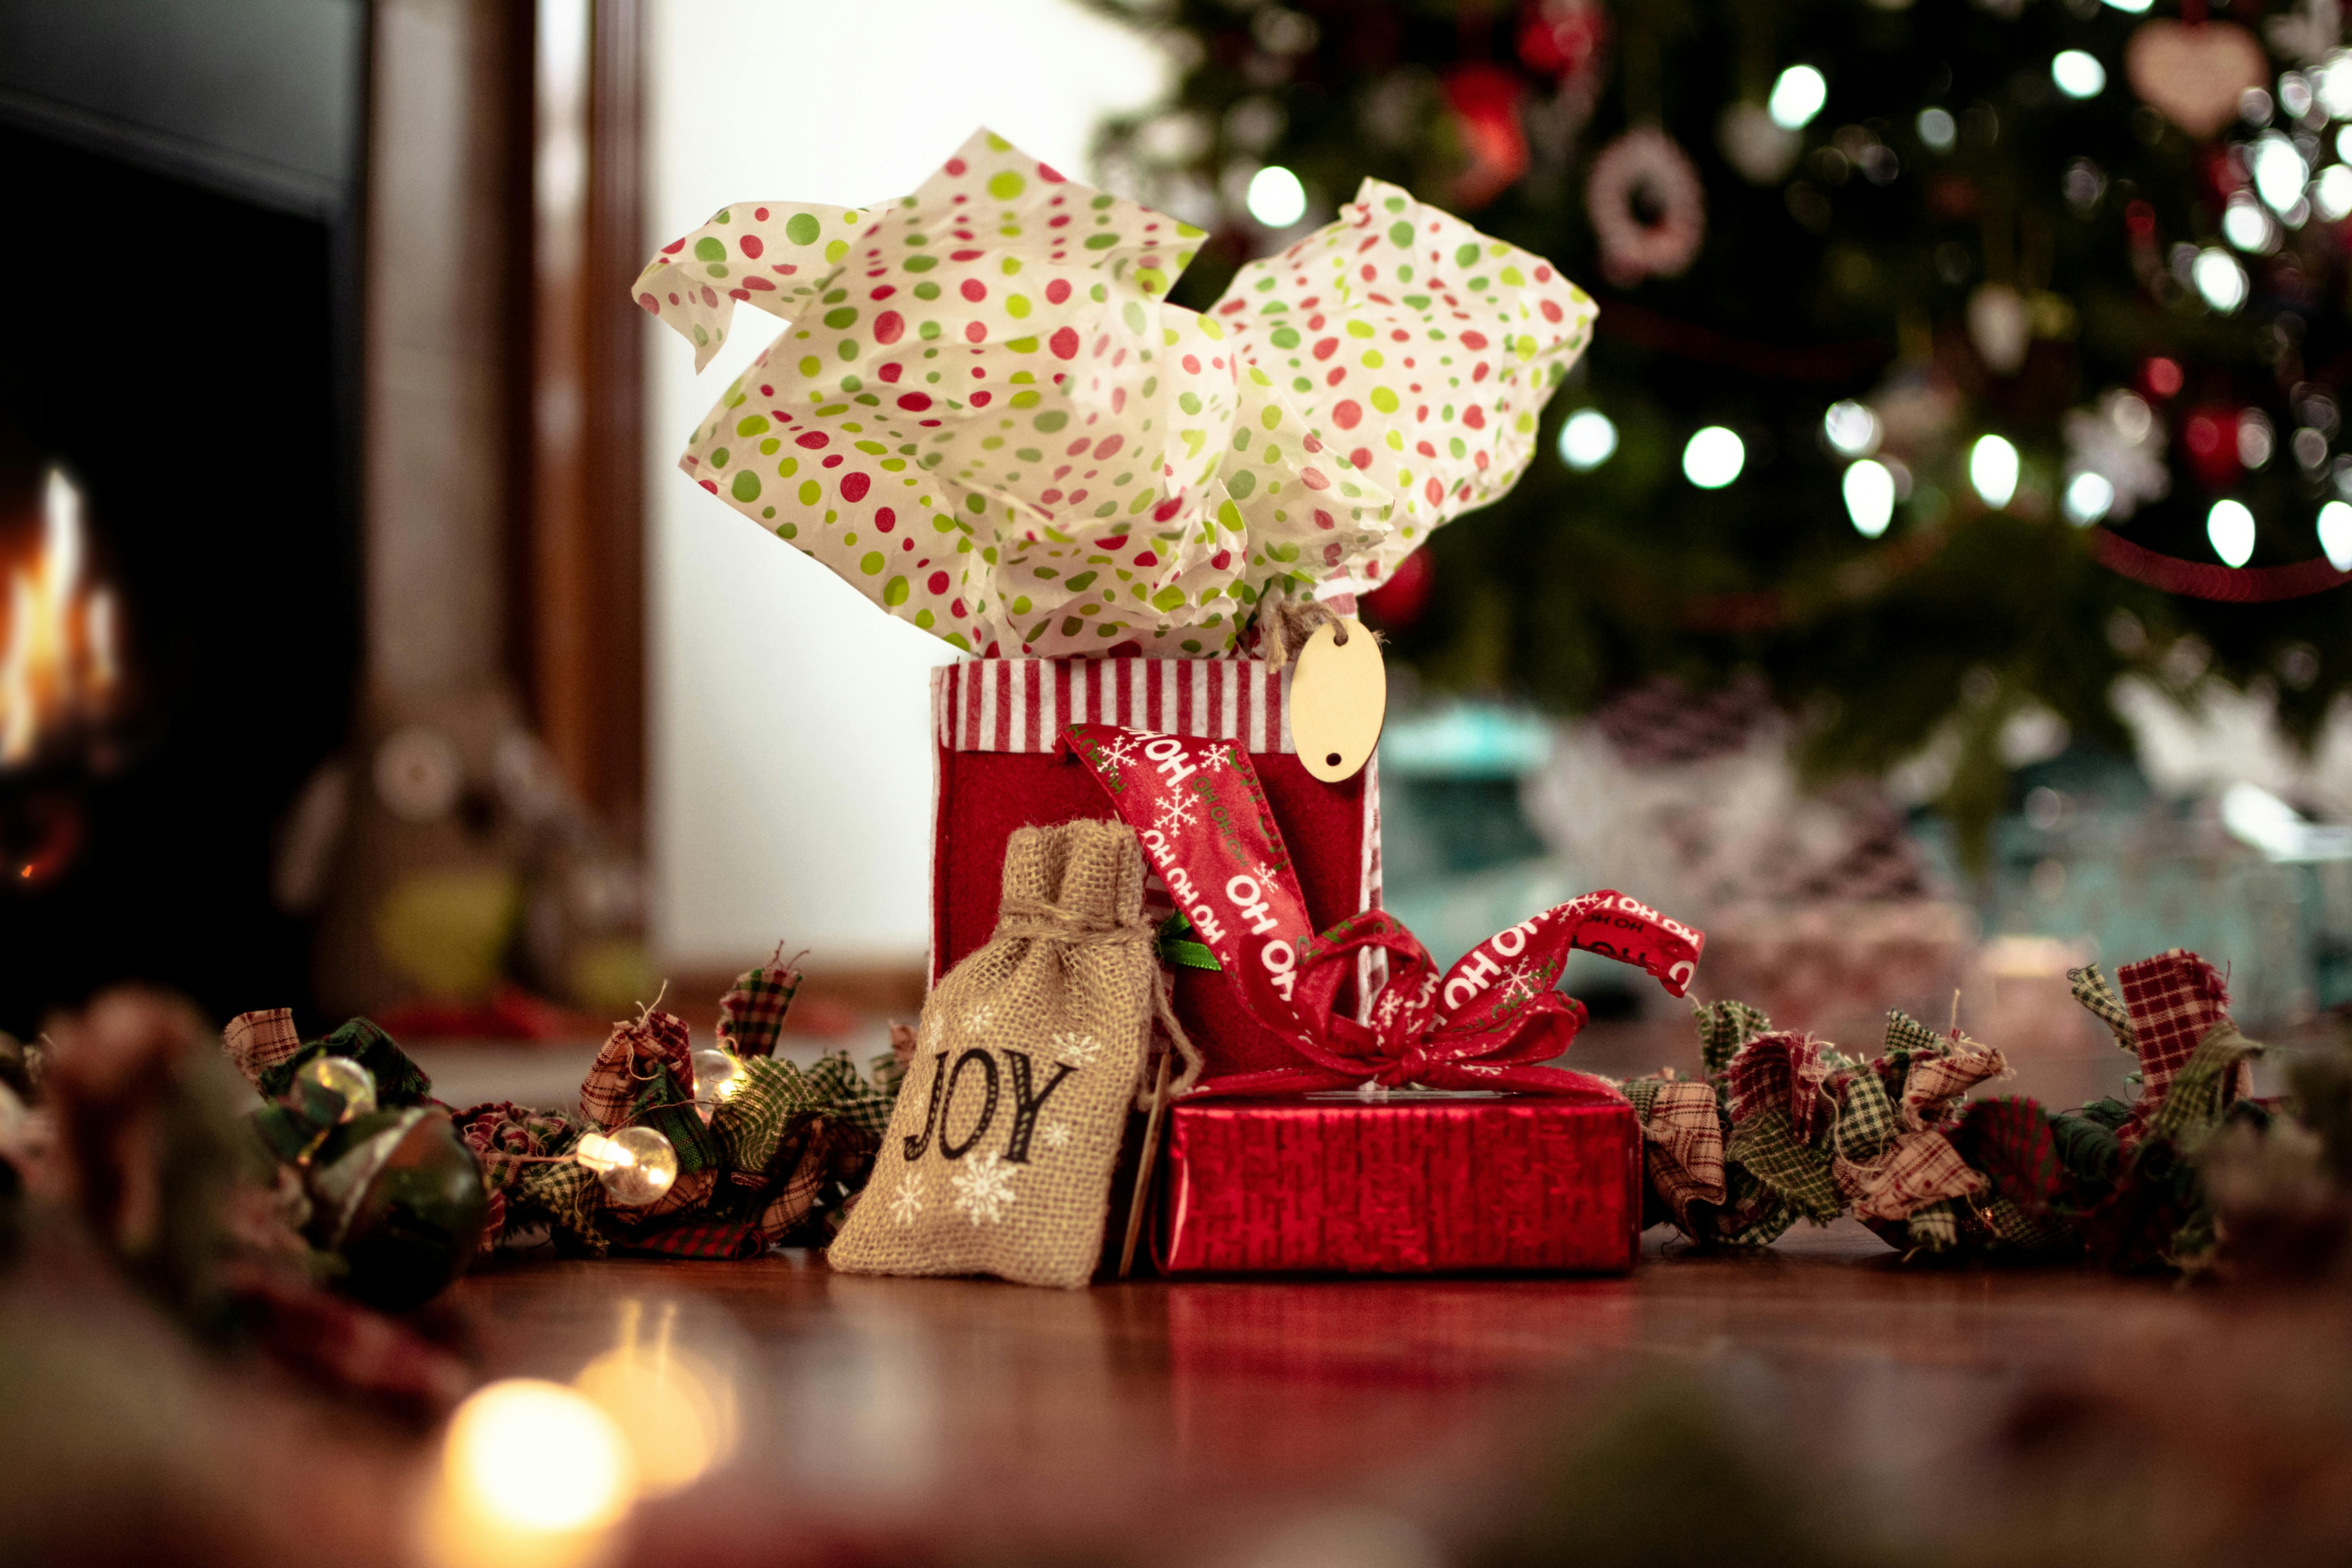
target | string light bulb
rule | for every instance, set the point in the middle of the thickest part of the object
(1870, 497)
(635, 1165)
(717, 1076)
(2336, 534)
(343, 1078)
(1992, 470)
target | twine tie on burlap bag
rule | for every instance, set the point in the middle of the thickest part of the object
(1285, 624)
(1039, 918)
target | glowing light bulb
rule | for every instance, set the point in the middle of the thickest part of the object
(1713, 458)
(2133, 6)
(1869, 497)
(2230, 528)
(344, 1077)
(1992, 470)
(717, 1076)
(1797, 97)
(1852, 427)
(1275, 198)
(530, 1472)
(1937, 129)
(2077, 74)
(1588, 440)
(2336, 534)
(2219, 279)
(2089, 497)
(636, 1164)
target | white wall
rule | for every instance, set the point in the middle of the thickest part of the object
(791, 771)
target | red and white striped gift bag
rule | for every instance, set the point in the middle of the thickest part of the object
(997, 722)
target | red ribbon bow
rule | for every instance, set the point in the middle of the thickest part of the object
(1490, 1022)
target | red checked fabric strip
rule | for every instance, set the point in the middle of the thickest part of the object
(1489, 1022)
(1022, 704)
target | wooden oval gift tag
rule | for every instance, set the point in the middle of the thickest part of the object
(1338, 699)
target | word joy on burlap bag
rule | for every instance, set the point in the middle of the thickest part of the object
(998, 1156)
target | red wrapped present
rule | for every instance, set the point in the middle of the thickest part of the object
(1413, 1183)
(1526, 1166)
(997, 722)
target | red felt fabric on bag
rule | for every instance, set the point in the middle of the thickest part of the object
(995, 721)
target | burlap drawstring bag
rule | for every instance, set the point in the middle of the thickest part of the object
(1030, 1053)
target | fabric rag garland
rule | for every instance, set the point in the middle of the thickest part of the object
(984, 415)
(1784, 1127)
(779, 1159)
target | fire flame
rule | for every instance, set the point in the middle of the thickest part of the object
(58, 659)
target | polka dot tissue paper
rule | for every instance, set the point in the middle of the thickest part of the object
(983, 412)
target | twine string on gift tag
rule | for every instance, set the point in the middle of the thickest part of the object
(1283, 624)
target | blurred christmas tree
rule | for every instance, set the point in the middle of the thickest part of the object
(1933, 334)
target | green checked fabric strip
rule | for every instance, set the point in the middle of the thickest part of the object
(1908, 1037)
(1936, 1229)
(399, 1082)
(751, 1014)
(1765, 1144)
(2201, 1092)
(849, 1099)
(1865, 1124)
(2013, 1226)
(750, 1123)
(2094, 991)
(1722, 1028)
(568, 1197)
(1753, 1214)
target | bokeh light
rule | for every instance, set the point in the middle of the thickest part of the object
(2230, 528)
(1713, 458)
(1587, 438)
(1277, 199)
(1993, 470)
(1869, 497)
(531, 1473)
(1797, 97)
(2219, 279)
(1852, 427)
(2089, 497)
(2078, 74)
(2336, 534)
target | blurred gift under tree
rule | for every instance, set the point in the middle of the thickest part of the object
(1912, 311)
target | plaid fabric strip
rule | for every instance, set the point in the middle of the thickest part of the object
(1767, 1145)
(2092, 990)
(260, 1041)
(1722, 1028)
(770, 1096)
(1922, 1168)
(2175, 998)
(1753, 1213)
(1935, 1085)
(568, 1197)
(1785, 1072)
(633, 1054)
(2011, 1141)
(1936, 1229)
(751, 1014)
(1866, 1120)
(2013, 1226)
(694, 1237)
(398, 1080)
(1683, 1133)
(849, 1099)
(790, 1203)
(2203, 1090)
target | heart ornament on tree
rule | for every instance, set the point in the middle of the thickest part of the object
(2194, 74)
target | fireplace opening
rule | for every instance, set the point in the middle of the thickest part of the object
(179, 609)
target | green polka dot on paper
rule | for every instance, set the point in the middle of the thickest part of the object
(837, 250)
(1401, 234)
(802, 228)
(871, 563)
(811, 492)
(1006, 186)
(746, 487)
(709, 249)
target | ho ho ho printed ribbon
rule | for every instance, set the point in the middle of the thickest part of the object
(1490, 1022)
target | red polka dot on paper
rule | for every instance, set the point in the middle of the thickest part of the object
(1064, 343)
(889, 326)
(974, 290)
(1347, 414)
(854, 486)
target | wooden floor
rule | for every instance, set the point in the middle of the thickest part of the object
(1880, 1411)
(1196, 1422)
